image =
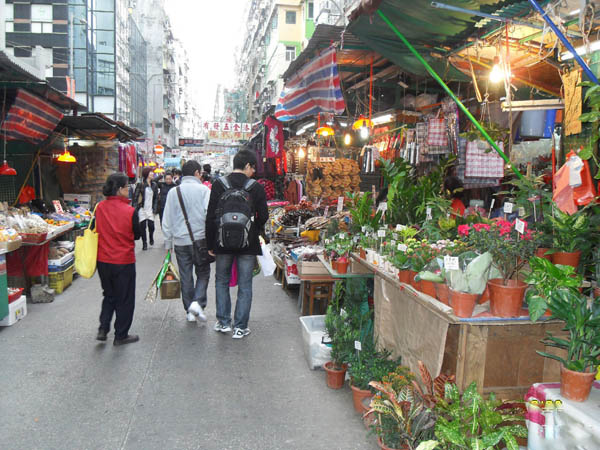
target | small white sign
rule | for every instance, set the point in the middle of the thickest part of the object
(57, 206)
(393, 243)
(382, 207)
(356, 238)
(402, 247)
(363, 229)
(327, 241)
(340, 205)
(342, 235)
(521, 211)
(508, 208)
(358, 345)
(400, 227)
(381, 233)
(520, 226)
(428, 212)
(451, 262)
(492, 204)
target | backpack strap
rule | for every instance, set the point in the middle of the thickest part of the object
(225, 182)
(249, 184)
(185, 216)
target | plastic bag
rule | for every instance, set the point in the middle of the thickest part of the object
(266, 260)
(86, 252)
(474, 272)
(433, 271)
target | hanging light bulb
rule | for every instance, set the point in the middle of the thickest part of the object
(364, 132)
(67, 157)
(347, 139)
(301, 153)
(497, 73)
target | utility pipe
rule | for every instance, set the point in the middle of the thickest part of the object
(450, 93)
(491, 16)
(565, 41)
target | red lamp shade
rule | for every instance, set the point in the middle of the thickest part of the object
(5, 169)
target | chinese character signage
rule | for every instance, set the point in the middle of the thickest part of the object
(188, 142)
(227, 131)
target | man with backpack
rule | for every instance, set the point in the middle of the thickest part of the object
(237, 212)
(184, 228)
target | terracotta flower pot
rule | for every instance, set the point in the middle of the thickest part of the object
(541, 253)
(485, 296)
(404, 276)
(342, 266)
(575, 386)
(335, 377)
(357, 397)
(567, 258)
(506, 300)
(462, 303)
(428, 287)
(382, 446)
(362, 253)
(334, 264)
(442, 293)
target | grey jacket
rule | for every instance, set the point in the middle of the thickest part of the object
(195, 198)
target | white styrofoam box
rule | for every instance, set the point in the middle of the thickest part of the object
(313, 331)
(16, 311)
(61, 261)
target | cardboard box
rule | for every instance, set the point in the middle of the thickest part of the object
(312, 268)
(16, 311)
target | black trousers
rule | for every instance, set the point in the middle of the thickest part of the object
(150, 225)
(118, 286)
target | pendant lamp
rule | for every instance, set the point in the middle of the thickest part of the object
(5, 169)
(325, 131)
(66, 156)
(361, 122)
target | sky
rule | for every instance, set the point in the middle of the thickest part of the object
(210, 31)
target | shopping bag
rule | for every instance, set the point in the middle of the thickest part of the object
(266, 260)
(86, 251)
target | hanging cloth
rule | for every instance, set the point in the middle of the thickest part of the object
(274, 138)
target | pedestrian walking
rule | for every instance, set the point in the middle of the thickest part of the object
(145, 200)
(237, 213)
(164, 189)
(118, 227)
(184, 228)
(177, 174)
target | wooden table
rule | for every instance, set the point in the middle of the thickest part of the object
(499, 354)
(308, 294)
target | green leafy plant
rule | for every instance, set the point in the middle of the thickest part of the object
(592, 98)
(469, 421)
(362, 212)
(571, 232)
(496, 132)
(370, 365)
(546, 278)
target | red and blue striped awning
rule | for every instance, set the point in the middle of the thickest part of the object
(30, 118)
(314, 89)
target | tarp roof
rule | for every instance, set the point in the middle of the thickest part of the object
(432, 31)
(98, 126)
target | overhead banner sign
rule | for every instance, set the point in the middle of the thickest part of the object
(227, 131)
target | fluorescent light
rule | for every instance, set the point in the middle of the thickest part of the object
(574, 12)
(383, 119)
(581, 50)
(343, 124)
(303, 129)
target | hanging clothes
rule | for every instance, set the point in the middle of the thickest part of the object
(274, 138)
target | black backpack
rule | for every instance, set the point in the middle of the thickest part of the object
(235, 214)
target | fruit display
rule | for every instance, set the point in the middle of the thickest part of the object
(57, 223)
(57, 252)
(26, 223)
(332, 179)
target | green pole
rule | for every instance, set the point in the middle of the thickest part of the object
(450, 93)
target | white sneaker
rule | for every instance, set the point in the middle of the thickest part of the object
(201, 316)
(221, 328)
(195, 308)
(239, 333)
(191, 317)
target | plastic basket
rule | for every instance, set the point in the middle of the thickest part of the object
(59, 281)
(31, 238)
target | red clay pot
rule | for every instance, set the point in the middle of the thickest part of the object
(575, 386)
(567, 258)
(506, 300)
(334, 264)
(357, 397)
(462, 303)
(411, 277)
(362, 253)
(428, 287)
(485, 296)
(342, 267)
(382, 446)
(404, 276)
(335, 377)
(541, 253)
(442, 293)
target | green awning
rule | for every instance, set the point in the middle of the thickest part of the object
(429, 30)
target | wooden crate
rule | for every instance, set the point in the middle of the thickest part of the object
(312, 268)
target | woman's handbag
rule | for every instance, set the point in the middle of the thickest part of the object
(86, 250)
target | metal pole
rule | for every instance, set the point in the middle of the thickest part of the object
(565, 41)
(450, 93)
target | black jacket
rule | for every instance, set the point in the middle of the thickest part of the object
(139, 196)
(162, 196)
(261, 211)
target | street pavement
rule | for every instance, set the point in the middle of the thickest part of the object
(182, 386)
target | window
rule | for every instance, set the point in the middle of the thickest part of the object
(290, 17)
(311, 10)
(290, 53)
(22, 52)
(274, 22)
(9, 13)
(41, 18)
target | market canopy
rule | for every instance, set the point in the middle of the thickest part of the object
(97, 126)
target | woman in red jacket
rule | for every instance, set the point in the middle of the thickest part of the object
(117, 224)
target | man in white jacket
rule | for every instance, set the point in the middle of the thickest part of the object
(195, 197)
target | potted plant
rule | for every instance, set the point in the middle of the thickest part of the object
(469, 421)
(403, 419)
(336, 329)
(556, 290)
(571, 233)
(510, 250)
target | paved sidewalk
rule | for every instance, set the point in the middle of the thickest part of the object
(181, 387)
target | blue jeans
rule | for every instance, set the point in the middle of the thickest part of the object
(245, 265)
(191, 292)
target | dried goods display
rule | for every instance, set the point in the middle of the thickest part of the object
(332, 179)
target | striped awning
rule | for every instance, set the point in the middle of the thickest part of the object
(30, 118)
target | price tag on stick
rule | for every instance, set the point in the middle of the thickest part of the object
(428, 212)
(520, 226)
(508, 208)
(451, 262)
(358, 345)
(381, 233)
(340, 204)
(402, 247)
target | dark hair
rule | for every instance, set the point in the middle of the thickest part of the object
(190, 168)
(145, 172)
(242, 158)
(168, 174)
(205, 176)
(113, 183)
(207, 168)
(177, 172)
